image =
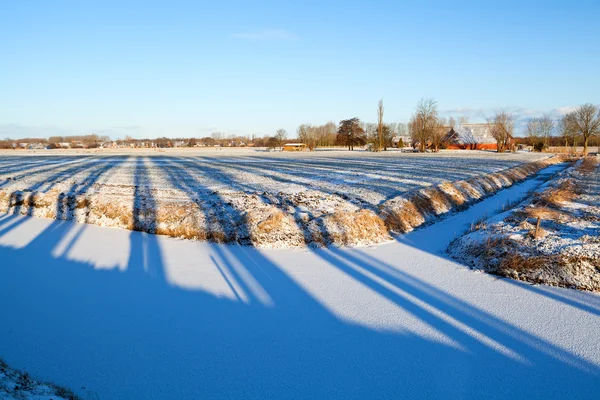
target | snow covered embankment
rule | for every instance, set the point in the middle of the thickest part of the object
(563, 250)
(277, 222)
(19, 385)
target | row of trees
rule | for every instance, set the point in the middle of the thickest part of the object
(318, 135)
(578, 126)
(583, 122)
(428, 130)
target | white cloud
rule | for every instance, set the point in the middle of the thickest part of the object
(266, 34)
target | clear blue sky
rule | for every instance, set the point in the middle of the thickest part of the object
(179, 68)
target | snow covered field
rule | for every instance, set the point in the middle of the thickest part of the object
(242, 197)
(117, 314)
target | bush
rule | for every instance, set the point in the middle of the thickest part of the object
(539, 147)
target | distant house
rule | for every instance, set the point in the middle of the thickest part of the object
(65, 145)
(472, 137)
(401, 141)
(295, 147)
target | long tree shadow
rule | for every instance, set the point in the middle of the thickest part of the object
(434, 239)
(25, 168)
(278, 200)
(128, 335)
(136, 334)
(145, 256)
(65, 204)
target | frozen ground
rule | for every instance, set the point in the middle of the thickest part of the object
(566, 249)
(354, 177)
(17, 385)
(233, 197)
(125, 314)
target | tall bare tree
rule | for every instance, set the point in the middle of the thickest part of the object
(586, 122)
(380, 124)
(502, 128)
(566, 129)
(307, 134)
(438, 134)
(532, 130)
(280, 135)
(423, 122)
(546, 129)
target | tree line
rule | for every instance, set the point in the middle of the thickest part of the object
(426, 130)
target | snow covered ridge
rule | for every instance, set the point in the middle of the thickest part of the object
(405, 213)
(150, 199)
(19, 385)
(553, 238)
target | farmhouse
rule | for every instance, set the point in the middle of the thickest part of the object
(472, 137)
(295, 147)
(401, 141)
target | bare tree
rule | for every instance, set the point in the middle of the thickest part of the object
(327, 134)
(438, 134)
(280, 135)
(532, 130)
(371, 135)
(380, 124)
(546, 129)
(389, 131)
(308, 135)
(502, 128)
(424, 122)
(566, 129)
(462, 120)
(586, 122)
(452, 123)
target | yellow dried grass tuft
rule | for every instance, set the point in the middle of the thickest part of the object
(351, 227)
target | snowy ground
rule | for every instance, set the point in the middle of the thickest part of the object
(232, 197)
(120, 314)
(566, 249)
(17, 385)
(359, 177)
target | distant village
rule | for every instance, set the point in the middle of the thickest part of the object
(472, 136)
(99, 142)
(464, 136)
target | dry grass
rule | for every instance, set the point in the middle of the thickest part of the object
(479, 224)
(403, 217)
(588, 165)
(517, 264)
(453, 192)
(268, 224)
(114, 211)
(421, 206)
(273, 226)
(348, 228)
(523, 259)
(555, 197)
(545, 213)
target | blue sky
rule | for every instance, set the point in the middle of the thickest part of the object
(178, 68)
